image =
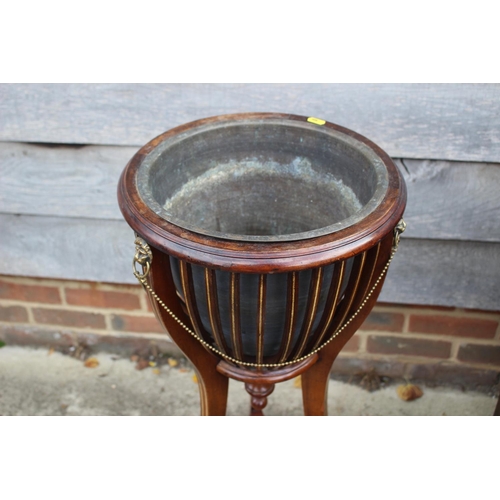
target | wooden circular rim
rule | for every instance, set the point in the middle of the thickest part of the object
(242, 256)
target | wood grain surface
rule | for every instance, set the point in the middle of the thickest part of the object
(61, 181)
(67, 248)
(449, 273)
(425, 121)
(446, 200)
(452, 200)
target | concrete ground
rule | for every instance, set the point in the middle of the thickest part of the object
(42, 382)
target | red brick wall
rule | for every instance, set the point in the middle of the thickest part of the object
(442, 344)
(57, 313)
(446, 345)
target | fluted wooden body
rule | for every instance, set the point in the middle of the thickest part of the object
(274, 318)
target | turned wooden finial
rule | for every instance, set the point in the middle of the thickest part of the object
(258, 400)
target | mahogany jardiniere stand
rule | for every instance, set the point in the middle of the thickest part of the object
(263, 240)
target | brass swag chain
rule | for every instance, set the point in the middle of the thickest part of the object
(143, 256)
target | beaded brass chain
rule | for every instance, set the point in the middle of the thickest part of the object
(143, 257)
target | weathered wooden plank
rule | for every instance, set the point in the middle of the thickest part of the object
(449, 273)
(67, 248)
(61, 181)
(452, 200)
(446, 200)
(439, 121)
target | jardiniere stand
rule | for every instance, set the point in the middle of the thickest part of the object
(263, 240)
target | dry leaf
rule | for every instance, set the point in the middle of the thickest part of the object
(409, 392)
(152, 363)
(134, 358)
(91, 363)
(298, 382)
(172, 362)
(51, 351)
(195, 378)
(183, 370)
(156, 371)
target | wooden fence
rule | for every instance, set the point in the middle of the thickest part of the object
(62, 148)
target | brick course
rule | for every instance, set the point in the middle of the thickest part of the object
(433, 343)
(450, 325)
(480, 354)
(140, 324)
(77, 319)
(102, 299)
(408, 347)
(16, 314)
(29, 293)
(384, 321)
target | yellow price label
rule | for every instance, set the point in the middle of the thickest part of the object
(316, 121)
